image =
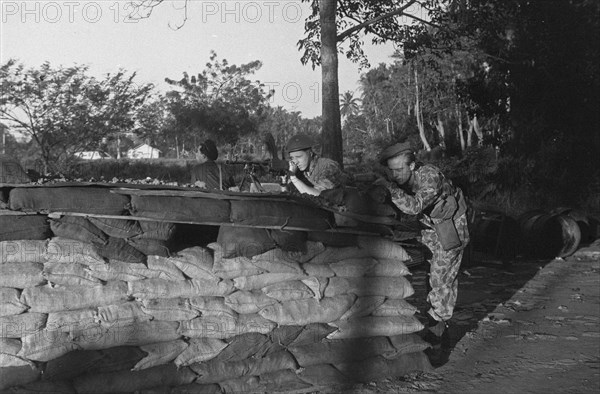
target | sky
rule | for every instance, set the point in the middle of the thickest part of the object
(100, 35)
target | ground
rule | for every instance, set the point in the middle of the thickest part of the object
(531, 327)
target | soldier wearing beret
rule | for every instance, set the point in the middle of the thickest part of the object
(207, 174)
(310, 173)
(424, 191)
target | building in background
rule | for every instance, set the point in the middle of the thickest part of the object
(143, 151)
(92, 155)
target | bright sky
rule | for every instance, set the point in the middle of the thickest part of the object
(97, 33)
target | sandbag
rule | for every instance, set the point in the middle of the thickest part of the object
(126, 334)
(46, 345)
(302, 312)
(382, 248)
(120, 249)
(160, 353)
(169, 309)
(291, 290)
(340, 351)
(333, 238)
(395, 307)
(78, 228)
(194, 388)
(322, 375)
(9, 302)
(67, 321)
(20, 227)
(17, 326)
(118, 228)
(372, 326)
(394, 287)
(41, 387)
(225, 326)
(180, 208)
(245, 302)
(69, 274)
(368, 266)
(256, 282)
(161, 267)
(23, 251)
(122, 313)
(280, 213)
(215, 371)
(63, 250)
(18, 376)
(47, 299)
(10, 346)
(211, 306)
(277, 261)
(200, 349)
(119, 271)
(319, 270)
(12, 360)
(195, 262)
(93, 362)
(332, 254)
(245, 346)
(98, 200)
(163, 231)
(311, 333)
(246, 384)
(407, 343)
(377, 368)
(293, 241)
(21, 275)
(235, 267)
(130, 381)
(243, 241)
(149, 246)
(284, 380)
(160, 288)
(363, 306)
(291, 257)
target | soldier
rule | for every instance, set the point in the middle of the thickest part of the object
(310, 173)
(207, 174)
(423, 190)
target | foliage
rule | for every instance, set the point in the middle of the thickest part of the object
(220, 103)
(64, 110)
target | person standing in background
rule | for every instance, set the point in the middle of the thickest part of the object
(207, 173)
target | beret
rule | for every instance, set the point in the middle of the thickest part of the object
(394, 150)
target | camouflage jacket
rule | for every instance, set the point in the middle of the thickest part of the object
(428, 188)
(323, 173)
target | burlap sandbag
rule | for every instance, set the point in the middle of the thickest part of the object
(246, 302)
(18, 326)
(43, 386)
(70, 274)
(67, 321)
(302, 312)
(21, 275)
(10, 303)
(320, 270)
(277, 261)
(124, 312)
(62, 250)
(280, 213)
(225, 326)
(160, 288)
(235, 267)
(120, 271)
(200, 349)
(163, 231)
(20, 227)
(92, 362)
(97, 200)
(169, 309)
(311, 333)
(243, 241)
(195, 262)
(291, 258)
(180, 208)
(215, 371)
(369, 266)
(23, 251)
(18, 376)
(332, 254)
(149, 246)
(131, 381)
(160, 353)
(161, 267)
(47, 299)
(78, 228)
(256, 282)
(294, 241)
(395, 307)
(290, 290)
(363, 306)
(372, 326)
(120, 249)
(340, 351)
(377, 368)
(407, 343)
(246, 384)
(211, 306)
(336, 239)
(394, 287)
(382, 248)
(284, 380)
(322, 375)
(245, 346)
(118, 228)
(11, 360)
(9, 348)
(194, 388)
(46, 345)
(126, 334)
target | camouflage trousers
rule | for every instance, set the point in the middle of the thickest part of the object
(443, 273)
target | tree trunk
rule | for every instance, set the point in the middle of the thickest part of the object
(474, 127)
(332, 129)
(419, 115)
(177, 146)
(118, 146)
(442, 132)
(461, 136)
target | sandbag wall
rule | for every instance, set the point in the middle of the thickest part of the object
(107, 305)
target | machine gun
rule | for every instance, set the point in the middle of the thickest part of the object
(255, 169)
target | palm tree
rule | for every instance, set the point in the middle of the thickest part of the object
(349, 105)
